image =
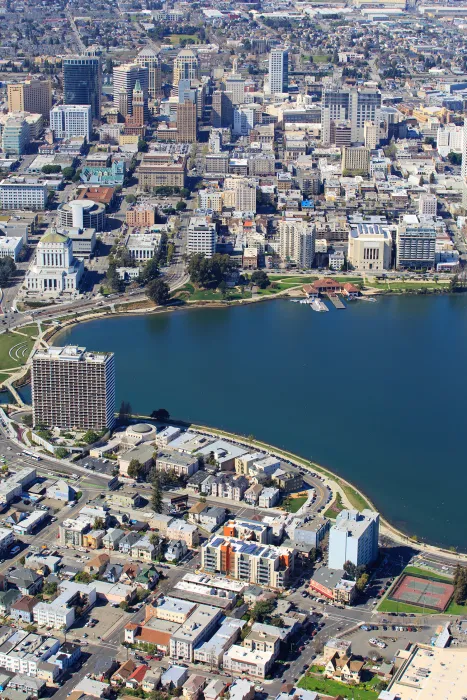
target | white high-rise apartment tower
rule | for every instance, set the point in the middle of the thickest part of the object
(278, 71)
(297, 242)
(67, 121)
(464, 151)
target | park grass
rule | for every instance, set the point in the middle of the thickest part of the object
(321, 58)
(409, 285)
(3, 377)
(7, 342)
(355, 498)
(335, 507)
(292, 505)
(31, 331)
(330, 687)
(177, 38)
(426, 573)
(393, 606)
(455, 609)
(213, 295)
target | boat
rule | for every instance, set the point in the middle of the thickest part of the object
(318, 305)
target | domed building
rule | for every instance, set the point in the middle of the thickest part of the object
(54, 269)
(140, 432)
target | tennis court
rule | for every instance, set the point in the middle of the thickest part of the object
(423, 592)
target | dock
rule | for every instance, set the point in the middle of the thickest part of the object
(338, 303)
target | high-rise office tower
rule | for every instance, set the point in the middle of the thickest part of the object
(357, 106)
(186, 66)
(82, 81)
(72, 388)
(148, 58)
(125, 78)
(278, 71)
(222, 109)
(236, 85)
(186, 122)
(30, 96)
(138, 105)
(71, 120)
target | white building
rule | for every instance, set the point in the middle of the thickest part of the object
(297, 242)
(449, 138)
(464, 150)
(354, 538)
(68, 121)
(60, 612)
(416, 242)
(278, 71)
(202, 236)
(18, 193)
(143, 246)
(370, 247)
(7, 538)
(243, 120)
(10, 247)
(427, 204)
(194, 631)
(54, 269)
(241, 660)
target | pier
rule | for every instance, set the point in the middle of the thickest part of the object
(338, 303)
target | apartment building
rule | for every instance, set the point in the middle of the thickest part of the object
(355, 160)
(370, 247)
(18, 193)
(24, 653)
(72, 531)
(212, 650)
(202, 236)
(416, 243)
(174, 610)
(241, 660)
(354, 538)
(73, 388)
(141, 215)
(60, 612)
(264, 565)
(297, 242)
(198, 627)
(278, 71)
(181, 464)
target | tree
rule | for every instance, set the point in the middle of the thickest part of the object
(112, 278)
(68, 173)
(49, 588)
(260, 278)
(154, 539)
(455, 158)
(160, 414)
(125, 413)
(142, 146)
(180, 206)
(50, 169)
(99, 524)
(150, 270)
(135, 469)
(130, 198)
(361, 582)
(159, 292)
(262, 610)
(460, 585)
(156, 498)
(432, 179)
(83, 577)
(351, 570)
(90, 436)
(124, 606)
(61, 452)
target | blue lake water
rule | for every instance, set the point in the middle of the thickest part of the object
(377, 392)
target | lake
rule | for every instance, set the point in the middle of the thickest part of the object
(376, 392)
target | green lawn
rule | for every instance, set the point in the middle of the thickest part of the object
(18, 345)
(354, 497)
(213, 295)
(416, 571)
(454, 609)
(294, 504)
(333, 688)
(31, 331)
(394, 606)
(321, 58)
(3, 377)
(409, 285)
(335, 507)
(177, 38)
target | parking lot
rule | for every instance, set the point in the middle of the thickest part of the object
(106, 617)
(394, 640)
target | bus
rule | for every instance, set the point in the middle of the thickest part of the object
(32, 455)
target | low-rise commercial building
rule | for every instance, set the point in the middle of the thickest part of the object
(172, 460)
(239, 660)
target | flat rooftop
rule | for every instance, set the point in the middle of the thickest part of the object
(429, 673)
(71, 353)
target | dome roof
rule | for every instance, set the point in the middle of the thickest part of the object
(141, 428)
(53, 236)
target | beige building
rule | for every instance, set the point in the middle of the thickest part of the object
(297, 242)
(156, 172)
(174, 610)
(370, 135)
(356, 160)
(242, 193)
(370, 247)
(30, 96)
(141, 215)
(181, 530)
(244, 462)
(186, 122)
(186, 66)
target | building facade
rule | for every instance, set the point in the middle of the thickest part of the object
(82, 83)
(73, 388)
(354, 538)
(370, 247)
(68, 121)
(278, 71)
